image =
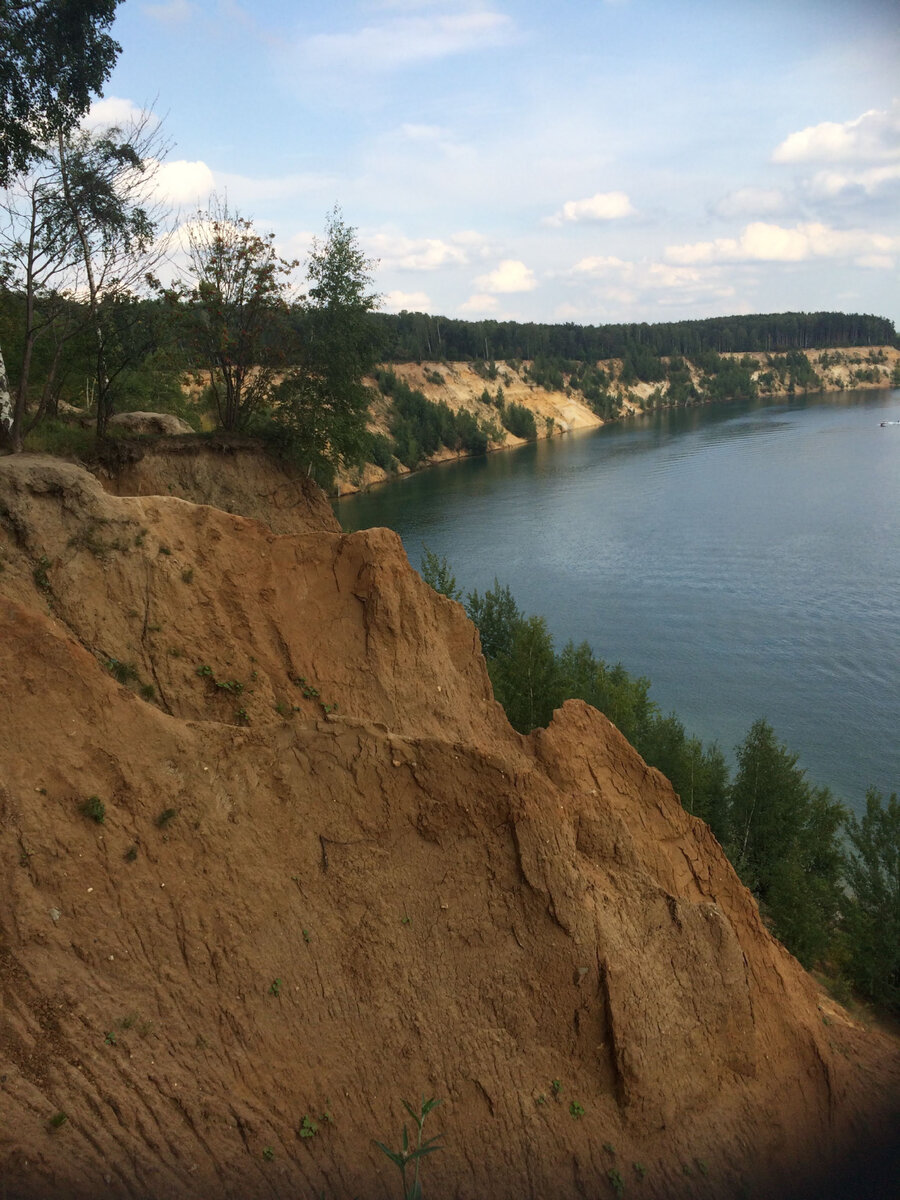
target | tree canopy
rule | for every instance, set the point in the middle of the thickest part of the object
(54, 56)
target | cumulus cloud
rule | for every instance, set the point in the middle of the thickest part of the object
(872, 137)
(411, 301)
(416, 254)
(114, 110)
(762, 242)
(408, 40)
(601, 265)
(510, 276)
(604, 206)
(183, 182)
(480, 303)
(869, 180)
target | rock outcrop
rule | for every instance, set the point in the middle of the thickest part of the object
(329, 875)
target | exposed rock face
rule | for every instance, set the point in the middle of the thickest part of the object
(371, 888)
(149, 422)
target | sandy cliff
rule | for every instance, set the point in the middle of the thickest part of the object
(329, 875)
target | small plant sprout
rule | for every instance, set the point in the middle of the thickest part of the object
(187, 575)
(165, 817)
(94, 808)
(268, 1153)
(110, 1038)
(131, 853)
(205, 671)
(576, 1110)
(555, 1088)
(306, 936)
(408, 1155)
(639, 1169)
(618, 1183)
(58, 1120)
(241, 717)
(275, 987)
(308, 1127)
(609, 1148)
(701, 1166)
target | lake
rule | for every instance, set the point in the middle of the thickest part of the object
(745, 557)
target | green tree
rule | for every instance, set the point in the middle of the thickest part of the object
(872, 916)
(784, 843)
(237, 287)
(323, 401)
(437, 574)
(54, 56)
(526, 678)
(496, 617)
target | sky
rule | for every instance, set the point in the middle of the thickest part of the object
(603, 161)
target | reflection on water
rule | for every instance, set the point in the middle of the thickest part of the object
(745, 557)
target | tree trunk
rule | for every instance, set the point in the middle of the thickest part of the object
(6, 411)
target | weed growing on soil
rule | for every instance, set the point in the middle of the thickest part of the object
(187, 575)
(618, 1183)
(275, 987)
(576, 1110)
(405, 1155)
(131, 853)
(94, 808)
(268, 1153)
(701, 1166)
(308, 1127)
(110, 1038)
(555, 1088)
(122, 672)
(58, 1120)
(609, 1148)
(166, 816)
(241, 716)
(639, 1169)
(40, 573)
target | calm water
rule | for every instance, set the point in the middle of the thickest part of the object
(746, 558)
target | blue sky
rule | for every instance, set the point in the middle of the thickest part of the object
(608, 161)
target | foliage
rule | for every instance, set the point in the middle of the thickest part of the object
(519, 420)
(420, 426)
(406, 1155)
(322, 401)
(784, 842)
(94, 809)
(237, 286)
(872, 917)
(55, 55)
(437, 574)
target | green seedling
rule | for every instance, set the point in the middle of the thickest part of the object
(609, 1148)
(94, 808)
(308, 1127)
(131, 853)
(110, 1038)
(618, 1183)
(58, 1120)
(576, 1110)
(268, 1153)
(165, 817)
(639, 1169)
(187, 575)
(205, 671)
(407, 1155)
(241, 716)
(275, 987)
(555, 1088)
(40, 573)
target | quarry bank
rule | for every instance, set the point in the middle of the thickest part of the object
(274, 858)
(472, 387)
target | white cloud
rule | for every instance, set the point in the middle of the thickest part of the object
(510, 276)
(411, 301)
(604, 206)
(480, 303)
(182, 182)
(601, 265)
(175, 12)
(751, 202)
(113, 110)
(873, 137)
(762, 242)
(408, 40)
(869, 180)
(415, 254)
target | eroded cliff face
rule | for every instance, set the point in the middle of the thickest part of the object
(370, 888)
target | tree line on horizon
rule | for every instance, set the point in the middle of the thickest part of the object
(827, 882)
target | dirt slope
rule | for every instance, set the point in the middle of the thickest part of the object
(370, 888)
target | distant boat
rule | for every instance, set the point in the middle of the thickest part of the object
(884, 424)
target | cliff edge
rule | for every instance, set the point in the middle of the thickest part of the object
(272, 859)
